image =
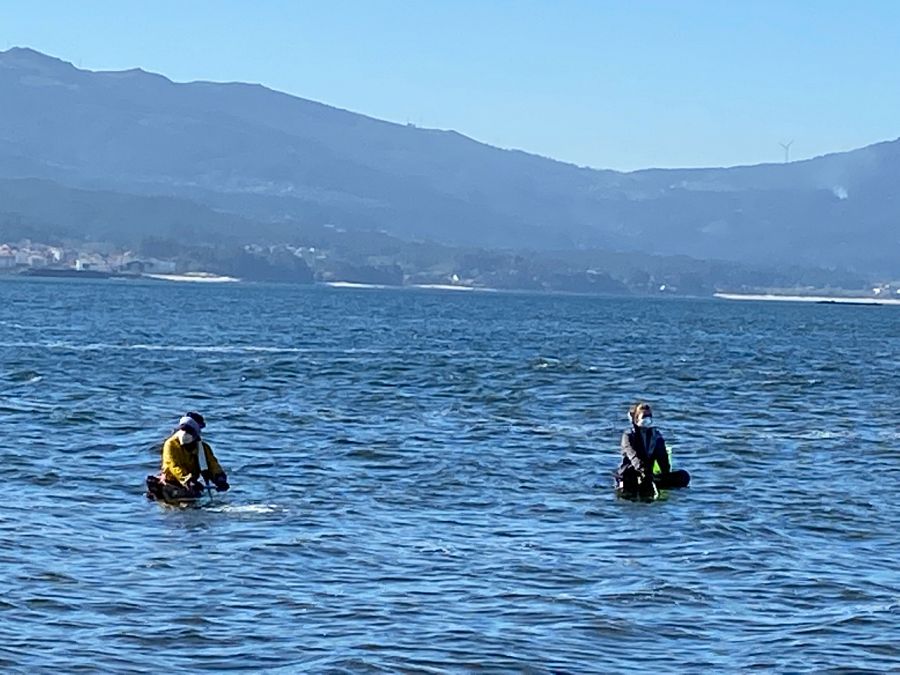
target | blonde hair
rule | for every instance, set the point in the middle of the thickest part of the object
(640, 405)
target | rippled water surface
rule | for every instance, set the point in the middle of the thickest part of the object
(421, 482)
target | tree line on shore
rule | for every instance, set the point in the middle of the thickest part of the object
(376, 258)
(329, 253)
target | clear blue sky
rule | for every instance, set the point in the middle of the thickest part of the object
(621, 84)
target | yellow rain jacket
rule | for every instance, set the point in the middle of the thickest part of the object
(179, 464)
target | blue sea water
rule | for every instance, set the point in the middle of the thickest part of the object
(421, 482)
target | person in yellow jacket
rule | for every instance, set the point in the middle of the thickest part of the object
(188, 463)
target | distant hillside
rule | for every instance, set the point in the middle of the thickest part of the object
(252, 163)
(33, 207)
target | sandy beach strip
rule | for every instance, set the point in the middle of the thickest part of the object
(841, 300)
(427, 287)
(200, 277)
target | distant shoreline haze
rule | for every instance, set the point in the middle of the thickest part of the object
(346, 260)
(135, 160)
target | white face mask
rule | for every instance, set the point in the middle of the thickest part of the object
(645, 422)
(185, 437)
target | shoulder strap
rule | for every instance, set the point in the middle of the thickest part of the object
(201, 455)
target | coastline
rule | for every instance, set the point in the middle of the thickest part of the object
(212, 278)
(66, 273)
(822, 299)
(427, 287)
(353, 284)
(448, 287)
(198, 277)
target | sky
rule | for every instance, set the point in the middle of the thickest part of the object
(620, 84)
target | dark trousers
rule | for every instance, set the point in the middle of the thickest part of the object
(672, 480)
(627, 483)
(157, 488)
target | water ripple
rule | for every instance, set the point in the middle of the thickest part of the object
(421, 483)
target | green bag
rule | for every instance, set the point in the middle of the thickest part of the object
(656, 469)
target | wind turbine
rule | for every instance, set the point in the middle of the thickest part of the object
(787, 150)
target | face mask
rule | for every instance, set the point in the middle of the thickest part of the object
(185, 438)
(645, 423)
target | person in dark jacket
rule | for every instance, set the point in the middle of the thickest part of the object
(643, 452)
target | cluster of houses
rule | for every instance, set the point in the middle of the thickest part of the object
(34, 255)
(29, 255)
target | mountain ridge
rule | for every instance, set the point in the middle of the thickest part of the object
(282, 160)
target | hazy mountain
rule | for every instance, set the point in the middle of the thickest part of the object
(32, 206)
(274, 161)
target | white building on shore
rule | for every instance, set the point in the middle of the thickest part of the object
(7, 258)
(93, 262)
